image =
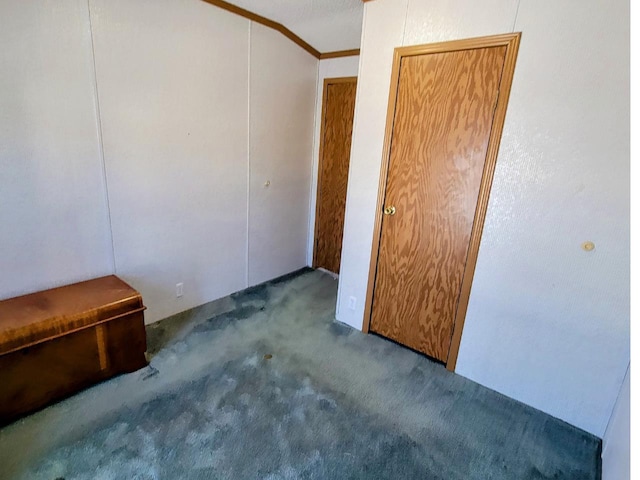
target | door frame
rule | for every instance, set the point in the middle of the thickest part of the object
(323, 117)
(512, 42)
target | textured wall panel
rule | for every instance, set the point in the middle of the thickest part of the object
(174, 117)
(441, 20)
(53, 210)
(282, 93)
(547, 323)
(616, 450)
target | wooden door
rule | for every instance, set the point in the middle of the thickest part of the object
(442, 123)
(339, 101)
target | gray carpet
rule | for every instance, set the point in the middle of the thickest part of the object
(265, 385)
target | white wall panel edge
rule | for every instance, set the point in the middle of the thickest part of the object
(98, 118)
(313, 178)
(339, 316)
(248, 197)
(385, 21)
(616, 451)
(327, 68)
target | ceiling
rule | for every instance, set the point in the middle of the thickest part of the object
(327, 25)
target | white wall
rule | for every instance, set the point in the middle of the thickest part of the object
(174, 121)
(312, 19)
(616, 448)
(199, 108)
(328, 68)
(53, 210)
(193, 102)
(547, 323)
(283, 95)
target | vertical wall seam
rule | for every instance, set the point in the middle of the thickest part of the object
(246, 277)
(404, 25)
(314, 148)
(354, 128)
(613, 410)
(100, 140)
(515, 18)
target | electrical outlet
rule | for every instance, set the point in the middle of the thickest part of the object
(179, 289)
(352, 303)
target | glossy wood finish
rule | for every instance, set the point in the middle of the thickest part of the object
(447, 106)
(56, 342)
(338, 106)
(340, 53)
(39, 316)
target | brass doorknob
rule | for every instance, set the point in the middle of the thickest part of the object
(391, 210)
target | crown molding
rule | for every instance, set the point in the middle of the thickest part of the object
(266, 22)
(254, 17)
(340, 53)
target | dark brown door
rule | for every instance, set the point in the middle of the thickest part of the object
(443, 118)
(339, 101)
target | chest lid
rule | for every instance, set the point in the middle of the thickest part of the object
(48, 314)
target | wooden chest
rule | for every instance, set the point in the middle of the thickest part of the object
(56, 342)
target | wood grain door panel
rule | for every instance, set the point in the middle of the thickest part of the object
(333, 171)
(444, 111)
